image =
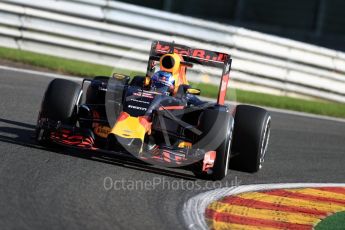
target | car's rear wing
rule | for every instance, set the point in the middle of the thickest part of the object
(194, 56)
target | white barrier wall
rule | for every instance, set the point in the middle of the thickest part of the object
(118, 34)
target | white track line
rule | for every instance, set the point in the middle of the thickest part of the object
(303, 114)
(39, 73)
(79, 79)
(194, 209)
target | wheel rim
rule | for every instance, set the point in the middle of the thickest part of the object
(265, 141)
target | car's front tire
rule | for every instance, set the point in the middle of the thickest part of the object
(217, 127)
(59, 104)
(251, 137)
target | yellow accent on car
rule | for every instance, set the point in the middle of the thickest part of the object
(193, 91)
(147, 81)
(185, 145)
(178, 70)
(119, 76)
(176, 65)
(129, 128)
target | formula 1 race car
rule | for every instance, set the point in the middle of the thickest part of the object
(158, 118)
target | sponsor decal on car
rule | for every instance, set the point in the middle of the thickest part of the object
(142, 94)
(137, 107)
(201, 54)
(139, 101)
(102, 131)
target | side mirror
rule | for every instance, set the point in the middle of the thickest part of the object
(193, 91)
(120, 77)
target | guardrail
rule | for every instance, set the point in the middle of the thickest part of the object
(118, 34)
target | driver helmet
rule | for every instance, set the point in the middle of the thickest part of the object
(163, 82)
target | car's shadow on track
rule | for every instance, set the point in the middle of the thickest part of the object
(19, 133)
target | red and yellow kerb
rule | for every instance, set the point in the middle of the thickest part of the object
(300, 208)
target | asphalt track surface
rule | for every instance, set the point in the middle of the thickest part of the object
(62, 189)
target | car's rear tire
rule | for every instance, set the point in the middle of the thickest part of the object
(137, 81)
(93, 94)
(217, 127)
(59, 104)
(250, 140)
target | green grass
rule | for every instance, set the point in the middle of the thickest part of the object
(85, 69)
(282, 102)
(333, 222)
(60, 65)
